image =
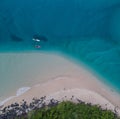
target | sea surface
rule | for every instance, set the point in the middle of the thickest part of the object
(82, 30)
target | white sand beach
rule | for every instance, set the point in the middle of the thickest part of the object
(65, 78)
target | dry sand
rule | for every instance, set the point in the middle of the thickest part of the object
(76, 81)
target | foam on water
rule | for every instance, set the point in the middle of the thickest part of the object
(6, 100)
(22, 90)
(19, 92)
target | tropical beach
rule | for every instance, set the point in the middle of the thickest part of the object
(65, 81)
(62, 50)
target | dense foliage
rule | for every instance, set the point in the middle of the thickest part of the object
(70, 110)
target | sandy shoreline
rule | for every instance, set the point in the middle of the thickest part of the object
(70, 80)
(77, 82)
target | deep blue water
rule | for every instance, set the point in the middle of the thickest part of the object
(85, 30)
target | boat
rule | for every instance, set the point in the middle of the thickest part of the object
(35, 39)
(37, 46)
(39, 38)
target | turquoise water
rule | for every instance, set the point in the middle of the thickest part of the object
(84, 30)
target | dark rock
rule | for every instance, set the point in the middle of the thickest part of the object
(79, 101)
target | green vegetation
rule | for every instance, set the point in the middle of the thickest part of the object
(70, 110)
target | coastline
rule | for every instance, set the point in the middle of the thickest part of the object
(104, 99)
(77, 82)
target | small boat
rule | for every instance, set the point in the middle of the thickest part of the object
(35, 39)
(37, 46)
(39, 38)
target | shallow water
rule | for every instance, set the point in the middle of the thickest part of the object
(87, 31)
